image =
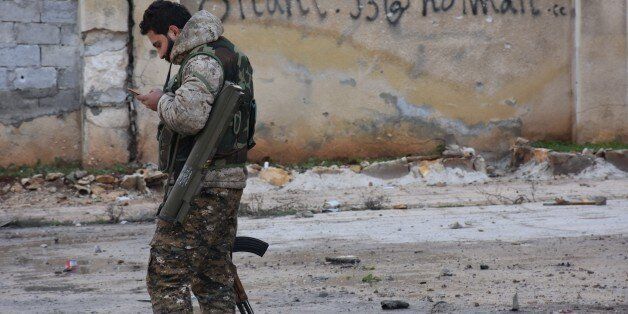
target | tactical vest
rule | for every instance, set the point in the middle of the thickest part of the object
(174, 148)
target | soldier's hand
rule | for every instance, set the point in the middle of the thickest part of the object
(151, 99)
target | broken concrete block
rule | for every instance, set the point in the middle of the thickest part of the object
(253, 170)
(275, 176)
(568, 163)
(428, 166)
(453, 151)
(479, 164)
(540, 155)
(356, 168)
(326, 170)
(521, 152)
(388, 169)
(618, 158)
(465, 164)
(54, 176)
(106, 179)
(86, 180)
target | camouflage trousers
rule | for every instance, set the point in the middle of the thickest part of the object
(196, 255)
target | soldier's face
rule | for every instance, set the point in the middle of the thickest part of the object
(163, 43)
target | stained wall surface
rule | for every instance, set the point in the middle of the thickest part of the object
(354, 78)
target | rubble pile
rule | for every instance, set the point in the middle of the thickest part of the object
(561, 163)
(85, 184)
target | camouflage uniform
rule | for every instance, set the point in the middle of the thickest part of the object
(196, 254)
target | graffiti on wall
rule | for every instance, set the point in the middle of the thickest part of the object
(392, 11)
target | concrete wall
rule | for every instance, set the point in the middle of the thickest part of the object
(39, 81)
(332, 78)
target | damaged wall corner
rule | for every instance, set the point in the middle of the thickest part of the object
(104, 28)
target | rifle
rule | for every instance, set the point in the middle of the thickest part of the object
(250, 245)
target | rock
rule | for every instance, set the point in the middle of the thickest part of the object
(98, 190)
(97, 249)
(455, 225)
(468, 152)
(587, 151)
(253, 170)
(344, 259)
(305, 214)
(465, 164)
(568, 163)
(601, 153)
(446, 273)
(326, 170)
(17, 188)
(275, 176)
(618, 158)
(86, 180)
(484, 267)
(427, 166)
(54, 176)
(82, 189)
(52, 189)
(106, 179)
(490, 170)
(129, 182)
(44, 245)
(5, 189)
(515, 303)
(331, 204)
(78, 174)
(388, 169)
(540, 155)
(323, 294)
(151, 177)
(394, 305)
(33, 183)
(521, 152)
(356, 168)
(479, 164)
(453, 151)
(400, 206)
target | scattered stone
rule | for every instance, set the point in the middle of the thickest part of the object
(78, 174)
(253, 170)
(394, 305)
(333, 204)
(468, 152)
(453, 151)
(83, 190)
(97, 249)
(521, 152)
(106, 179)
(326, 170)
(446, 273)
(52, 189)
(5, 189)
(587, 151)
(515, 303)
(427, 166)
(356, 168)
(400, 206)
(345, 259)
(134, 182)
(618, 158)
(275, 176)
(601, 153)
(479, 164)
(53, 176)
(33, 183)
(388, 169)
(455, 225)
(98, 190)
(484, 267)
(305, 214)
(152, 177)
(323, 294)
(86, 180)
(568, 163)
(465, 164)
(44, 245)
(598, 201)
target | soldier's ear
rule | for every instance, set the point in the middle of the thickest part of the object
(173, 32)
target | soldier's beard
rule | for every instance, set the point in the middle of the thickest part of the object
(170, 46)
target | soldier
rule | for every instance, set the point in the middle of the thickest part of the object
(197, 253)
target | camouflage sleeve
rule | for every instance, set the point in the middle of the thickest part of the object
(186, 111)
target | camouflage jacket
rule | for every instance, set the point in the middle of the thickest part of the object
(186, 111)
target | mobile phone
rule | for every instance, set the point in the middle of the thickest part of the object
(134, 92)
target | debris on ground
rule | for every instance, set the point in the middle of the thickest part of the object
(388, 169)
(400, 206)
(97, 249)
(595, 201)
(455, 225)
(343, 260)
(484, 267)
(515, 303)
(394, 305)
(370, 278)
(71, 265)
(445, 272)
(275, 176)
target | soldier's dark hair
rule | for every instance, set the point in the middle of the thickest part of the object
(161, 14)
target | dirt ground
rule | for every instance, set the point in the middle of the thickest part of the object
(560, 259)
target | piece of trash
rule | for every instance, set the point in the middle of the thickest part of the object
(455, 225)
(400, 206)
(515, 303)
(484, 267)
(330, 210)
(266, 165)
(44, 245)
(388, 187)
(123, 222)
(71, 264)
(331, 204)
(4, 223)
(97, 249)
(598, 201)
(394, 305)
(78, 224)
(345, 259)
(446, 273)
